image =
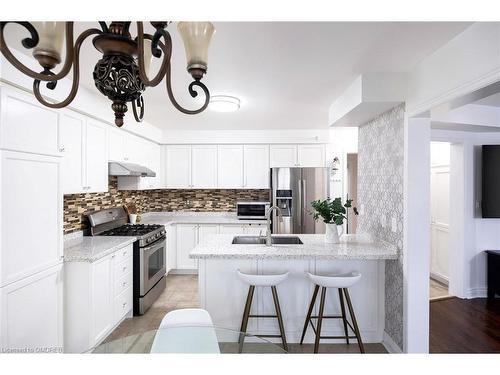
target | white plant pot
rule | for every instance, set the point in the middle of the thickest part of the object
(332, 233)
(132, 218)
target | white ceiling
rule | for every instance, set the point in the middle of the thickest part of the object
(286, 74)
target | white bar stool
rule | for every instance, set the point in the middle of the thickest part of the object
(341, 282)
(263, 281)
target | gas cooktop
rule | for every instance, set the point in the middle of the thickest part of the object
(131, 230)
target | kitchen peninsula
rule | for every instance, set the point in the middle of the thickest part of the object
(223, 294)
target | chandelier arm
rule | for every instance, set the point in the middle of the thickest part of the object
(140, 52)
(76, 74)
(139, 101)
(31, 43)
(104, 26)
(167, 50)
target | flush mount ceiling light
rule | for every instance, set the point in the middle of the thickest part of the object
(224, 103)
(122, 74)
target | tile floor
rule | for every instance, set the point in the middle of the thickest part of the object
(182, 292)
(437, 290)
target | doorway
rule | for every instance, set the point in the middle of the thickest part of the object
(440, 221)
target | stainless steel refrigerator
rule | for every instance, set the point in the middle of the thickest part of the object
(293, 190)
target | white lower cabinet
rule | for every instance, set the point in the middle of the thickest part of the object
(31, 313)
(183, 238)
(186, 240)
(98, 296)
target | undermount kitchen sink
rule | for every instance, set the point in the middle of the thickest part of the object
(258, 240)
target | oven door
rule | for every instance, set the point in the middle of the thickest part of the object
(152, 265)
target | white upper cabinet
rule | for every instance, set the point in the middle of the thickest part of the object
(72, 147)
(83, 144)
(204, 167)
(283, 156)
(230, 167)
(30, 191)
(178, 166)
(96, 160)
(311, 155)
(151, 158)
(256, 167)
(116, 146)
(26, 125)
(307, 155)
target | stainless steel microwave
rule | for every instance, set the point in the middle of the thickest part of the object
(252, 210)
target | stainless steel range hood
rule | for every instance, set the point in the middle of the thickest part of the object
(129, 169)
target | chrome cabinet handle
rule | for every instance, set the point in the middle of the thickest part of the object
(62, 149)
(124, 283)
(124, 304)
(124, 268)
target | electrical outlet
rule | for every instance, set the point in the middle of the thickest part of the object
(394, 224)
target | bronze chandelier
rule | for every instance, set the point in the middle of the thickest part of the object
(121, 73)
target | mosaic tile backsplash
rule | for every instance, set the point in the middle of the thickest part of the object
(380, 192)
(77, 205)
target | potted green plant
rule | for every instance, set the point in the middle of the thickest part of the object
(333, 213)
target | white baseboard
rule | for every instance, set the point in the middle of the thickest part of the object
(480, 292)
(390, 345)
(440, 278)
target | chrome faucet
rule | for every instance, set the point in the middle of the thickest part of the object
(269, 240)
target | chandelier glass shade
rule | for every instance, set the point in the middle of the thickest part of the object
(122, 74)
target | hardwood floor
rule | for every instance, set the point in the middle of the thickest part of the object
(465, 326)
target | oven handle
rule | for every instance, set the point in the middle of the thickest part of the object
(160, 242)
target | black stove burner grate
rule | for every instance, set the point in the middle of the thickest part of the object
(131, 230)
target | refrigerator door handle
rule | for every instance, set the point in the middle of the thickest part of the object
(304, 203)
(299, 205)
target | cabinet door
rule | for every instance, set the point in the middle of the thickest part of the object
(205, 230)
(255, 229)
(311, 155)
(186, 238)
(256, 166)
(171, 247)
(96, 157)
(116, 146)
(32, 312)
(153, 163)
(26, 125)
(71, 142)
(283, 156)
(204, 167)
(134, 148)
(102, 298)
(30, 214)
(178, 166)
(231, 229)
(230, 167)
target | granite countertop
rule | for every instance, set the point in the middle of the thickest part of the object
(90, 249)
(359, 246)
(186, 217)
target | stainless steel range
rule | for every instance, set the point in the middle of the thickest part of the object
(149, 253)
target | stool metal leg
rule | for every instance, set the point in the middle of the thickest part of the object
(280, 318)
(354, 323)
(309, 312)
(344, 317)
(320, 319)
(246, 314)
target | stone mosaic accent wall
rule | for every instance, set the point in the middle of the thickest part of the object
(77, 205)
(380, 193)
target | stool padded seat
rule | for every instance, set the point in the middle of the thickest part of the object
(186, 317)
(263, 280)
(345, 280)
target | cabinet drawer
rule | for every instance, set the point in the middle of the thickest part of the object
(123, 304)
(123, 283)
(123, 254)
(123, 267)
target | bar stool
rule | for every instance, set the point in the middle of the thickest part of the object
(264, 281)
(341, 282)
